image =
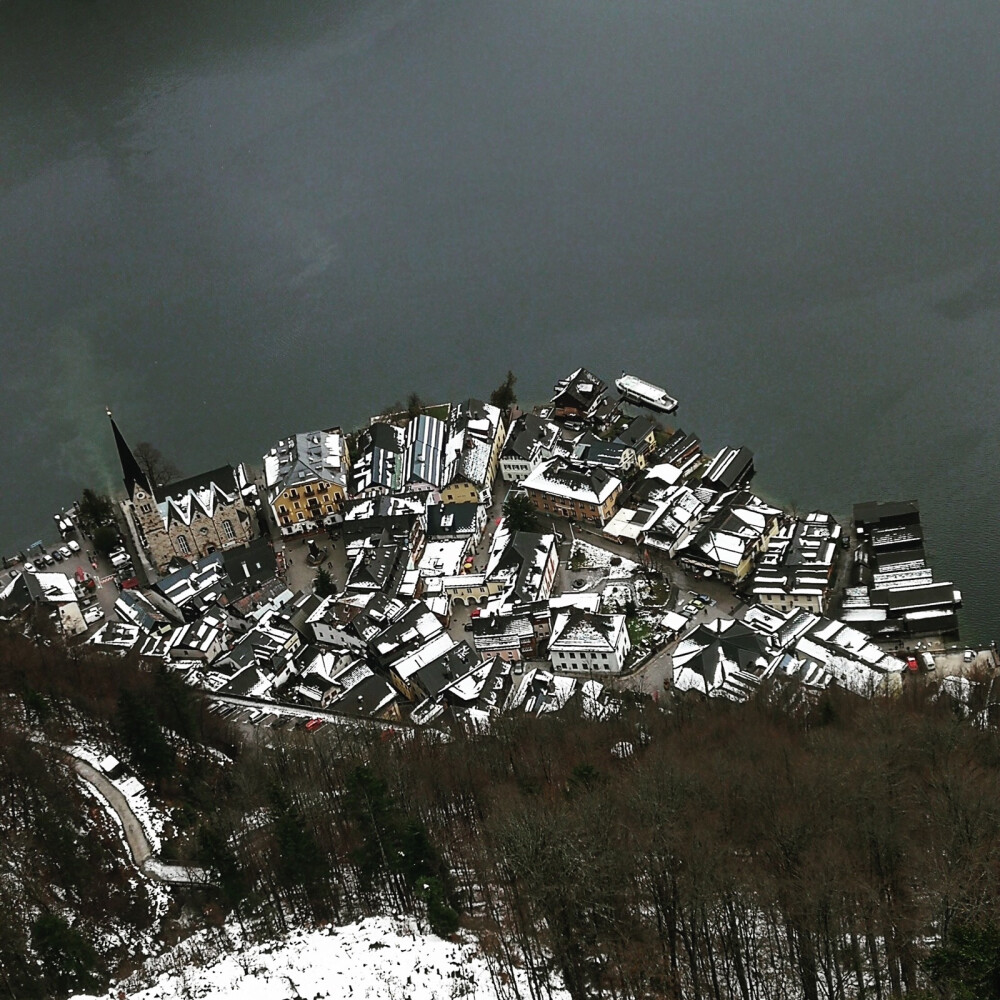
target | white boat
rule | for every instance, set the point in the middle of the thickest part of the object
(642, 393)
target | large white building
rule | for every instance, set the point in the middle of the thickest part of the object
(586, 643)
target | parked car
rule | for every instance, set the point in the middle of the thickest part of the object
(73, 545)
(48, 559)
(968, 656)
(67, 552)
(57, 555)
(313, 724)
(911, 664)
(39, 562)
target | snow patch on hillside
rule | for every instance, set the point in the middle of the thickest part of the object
(373, 959)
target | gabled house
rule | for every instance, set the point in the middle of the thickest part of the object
(509, 636)
(731, 469)
(640, 436)
(402, 518)
(472, 454)
(306, 478)
(525, 563)
(530, 441)
(796, 571)
(721, 659)
(614, 456)
(585, 642)
(579, 396)
(736, 529)
(379, 465)
(378, 567)
(559, 488)
(472, 699)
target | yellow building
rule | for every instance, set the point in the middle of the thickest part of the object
(306, 480)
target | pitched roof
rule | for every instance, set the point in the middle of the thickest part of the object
(132, 474)
(314, 456)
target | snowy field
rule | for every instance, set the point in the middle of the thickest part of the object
(381, 957)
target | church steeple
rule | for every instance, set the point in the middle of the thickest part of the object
(133, 476)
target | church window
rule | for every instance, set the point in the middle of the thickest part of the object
(182, 544)
(227, 528)
(145, 508)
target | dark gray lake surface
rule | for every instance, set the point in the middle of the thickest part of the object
(231, 221)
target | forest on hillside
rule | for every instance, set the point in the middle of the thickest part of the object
(689, 849)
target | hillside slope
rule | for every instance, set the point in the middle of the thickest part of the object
(380, 957)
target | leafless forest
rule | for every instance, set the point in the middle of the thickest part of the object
(682, 850)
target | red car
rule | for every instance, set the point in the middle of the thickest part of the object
(911, 664)
(313, 724)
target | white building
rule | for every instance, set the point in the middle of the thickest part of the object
(584, 642)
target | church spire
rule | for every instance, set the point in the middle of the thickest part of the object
(132, 473)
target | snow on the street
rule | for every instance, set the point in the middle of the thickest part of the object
(372, 959)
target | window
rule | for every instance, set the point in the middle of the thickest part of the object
(145, 508)
(182, 544)
(282, 509)
(227, 530)
(308, 491)
(300, 515)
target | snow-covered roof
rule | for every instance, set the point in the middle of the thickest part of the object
(311, 457)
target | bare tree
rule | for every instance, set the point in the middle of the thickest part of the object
(158, 470)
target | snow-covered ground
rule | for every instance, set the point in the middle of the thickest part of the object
(594, 557)
(380, 957)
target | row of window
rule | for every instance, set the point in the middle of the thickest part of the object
(228, 531)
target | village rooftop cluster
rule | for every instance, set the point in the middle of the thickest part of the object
(448, 610)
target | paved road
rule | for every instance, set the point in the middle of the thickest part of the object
(135, 836)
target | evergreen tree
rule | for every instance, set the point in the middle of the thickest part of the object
(142, 735)
(96, 509)
(324, 585)
(520, 513)
(503, 395)
(68, 958)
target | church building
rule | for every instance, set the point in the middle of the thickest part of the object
(188, 519)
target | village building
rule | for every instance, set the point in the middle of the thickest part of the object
(306, 479)
(734, 531)
(585, 642)
(581, 396)
(509, 636)
(476, 438)
(379, 464)
(559, 488)
(797, 569)
(530, 441)
(640, 436)
(402, 518)
(722, 658)
(525, 563)
(731, 469)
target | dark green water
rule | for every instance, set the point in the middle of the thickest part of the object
(231, 221)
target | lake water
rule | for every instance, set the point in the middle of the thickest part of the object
(233, 221)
